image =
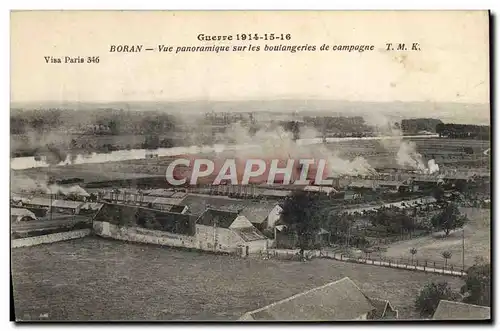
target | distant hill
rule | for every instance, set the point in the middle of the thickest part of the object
(447, 112)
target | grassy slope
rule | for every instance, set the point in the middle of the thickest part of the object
(477, 241)
(95, 279)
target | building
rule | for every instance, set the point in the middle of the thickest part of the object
(198, 203)
(214, 230)
(225, 231)
(337, 301)
(21, 215)
(90, 207)
(451, 310)
(67, 206)
(287, 238)
(263, 215)
(320, 189)
(37, 202)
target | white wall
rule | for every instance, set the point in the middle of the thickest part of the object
(207, 238)
(241, 222)
(141, 235)
(50, 238)
(225, 239)
(274, 216)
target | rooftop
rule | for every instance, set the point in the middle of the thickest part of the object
(451, 310)
(198, 203)
(339, 300)
(249, 234)
(21, 212)
(257, 212)
(66, 204)
(220, 218)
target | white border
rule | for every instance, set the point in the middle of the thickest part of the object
(189, 5)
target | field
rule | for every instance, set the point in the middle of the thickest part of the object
(97, 279)
(477, 242)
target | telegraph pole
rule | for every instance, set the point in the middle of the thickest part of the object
(463, 248)
(50, 205)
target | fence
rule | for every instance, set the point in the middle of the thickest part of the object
(408, 264)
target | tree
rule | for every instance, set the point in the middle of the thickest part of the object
(449, 219)
(438, 193)
(446, 255)
(302, 215)
(93, 197)
(413, 251)
(338, 224)
(477, 287)
(429, 297)
(147, 219)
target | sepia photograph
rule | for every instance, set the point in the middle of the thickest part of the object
(250, 166)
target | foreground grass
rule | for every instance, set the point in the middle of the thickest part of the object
(96, 279)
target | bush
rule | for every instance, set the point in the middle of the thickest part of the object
(429, 297)
(268, 233)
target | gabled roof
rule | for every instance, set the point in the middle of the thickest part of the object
(451, 310)
(198, 203)
(179, 195)
(92, 205)
(21, 212)
(381, 308)
(340, 300)
(316, 188)
(39, 202)
(132, 215)
(159, 192)
(166, 201)
(249, 234)
(257, 212)
(219, 218)
(66, 204)
(275, 193)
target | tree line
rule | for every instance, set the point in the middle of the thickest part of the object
(469, 131)
(305, 214)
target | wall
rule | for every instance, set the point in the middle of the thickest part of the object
(146, 236)
(50, 238)
(225, 239)
(256, 246)
(207, 238)
(274, 216)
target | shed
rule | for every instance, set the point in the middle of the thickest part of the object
(21, 214)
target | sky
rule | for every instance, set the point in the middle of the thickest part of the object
(452, 65)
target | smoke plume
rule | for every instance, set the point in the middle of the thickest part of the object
(406, 155)
(24, 184)
(274, 141)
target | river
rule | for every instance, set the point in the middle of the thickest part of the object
(28, 162)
